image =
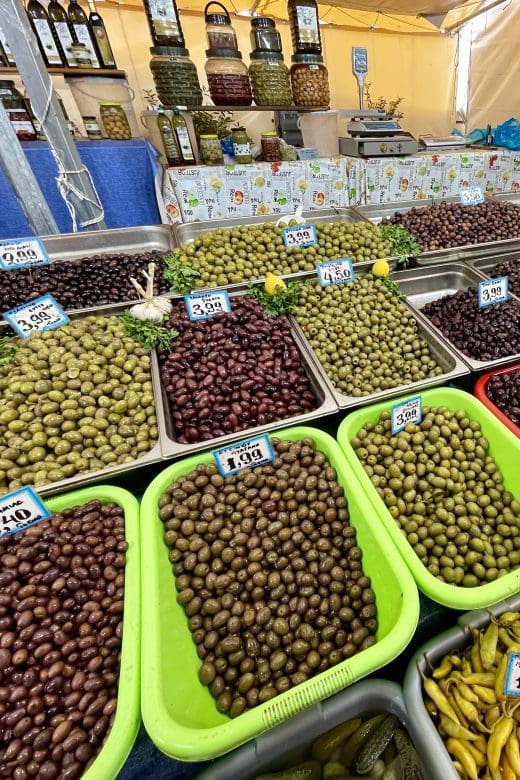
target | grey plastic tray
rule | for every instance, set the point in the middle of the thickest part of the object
(427, 740)
(286, 744)
(423, 285)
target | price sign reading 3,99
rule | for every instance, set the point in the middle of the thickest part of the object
(493, 291)
(335, 272)
(41, 314)
(409, 411)
(471, 196)
(244, 454)
(201, 306)
(299, 235)
(19, 510)
(21, 252)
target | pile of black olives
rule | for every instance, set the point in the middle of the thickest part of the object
(511, 269)
(504, 391)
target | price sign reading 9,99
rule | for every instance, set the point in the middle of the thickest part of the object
(409, 411)
(335, 272)
(493, 291)
(22, 252)
(41, 314)
(244, 454)
(201, 306)
(299, 236)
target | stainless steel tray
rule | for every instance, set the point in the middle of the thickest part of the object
(172, 448)
(513, 197)
(485, 265)
(423, 285)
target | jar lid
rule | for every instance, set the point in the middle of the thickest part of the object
(209, 137)
(92, 118)
(273, 56)
(238, 129)
(262, 21)
(270, 134)
(306, 58)
(169, 51)
(224, 53)
(110, 104)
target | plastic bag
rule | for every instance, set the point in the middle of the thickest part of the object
(508, 134)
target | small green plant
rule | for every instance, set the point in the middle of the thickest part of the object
(208, 122)
(282, 302)
(151, 97)
(151, 335)
(179, 276)
(383, 104)
(403, 243)
(392, 286)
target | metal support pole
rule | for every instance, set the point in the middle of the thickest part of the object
(23, 181)
(75, 183)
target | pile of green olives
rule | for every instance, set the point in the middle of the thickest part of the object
(243, 253)
(73, 400)
(364, 337)
(446, 493)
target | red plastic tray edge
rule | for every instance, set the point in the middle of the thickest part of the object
(480, 393)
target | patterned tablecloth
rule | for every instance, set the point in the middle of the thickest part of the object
(219, 192)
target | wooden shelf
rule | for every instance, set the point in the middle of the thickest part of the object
(75, 72)
(298, 109)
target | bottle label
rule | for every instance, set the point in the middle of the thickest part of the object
(185, 143)
(63, 33)
(104, 47)
(307, 20)
(170, 144)
(20, 121)
(242, 150)
(164, 18)
(43, 31)
(83, 36)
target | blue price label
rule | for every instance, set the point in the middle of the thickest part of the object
(246, 454)
(471, 196)
(41, 314)
(409, 411)
(19, 510)
(201, 306)
(512, 678)
(335, 272)
(299, 235)
(22, 252)
(493, 291)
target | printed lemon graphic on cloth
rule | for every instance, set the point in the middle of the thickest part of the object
(215, 183)
(260, 181)
(423, 170)
(274, 285)
(381, 268)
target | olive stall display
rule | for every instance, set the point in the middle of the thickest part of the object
(364, 336)
(234, 371)
(504, 390)
(62, 591)
(269, 573)
(243, 253)
(446, 493)
(88, 282)
(445, 225)
(74, 400)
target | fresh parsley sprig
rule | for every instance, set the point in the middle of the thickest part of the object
(7, 350)
(392, 286)
(180, 277)
(151, 335)
(281, 303)
(403, 243)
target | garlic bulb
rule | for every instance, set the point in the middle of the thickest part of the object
(153, 308)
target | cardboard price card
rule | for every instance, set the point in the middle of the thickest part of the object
(493, 291)
(299, 236)
(244, 454)
(41, 314)
(201, 306)
(335, 272)
(22, 252)
(471, 196)
(19, 510)
(409, 411)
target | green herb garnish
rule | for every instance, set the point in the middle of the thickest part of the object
(402, 241)
(392, 286)
(282, 302)
(179, 276)
(151, 335)
(7, 350)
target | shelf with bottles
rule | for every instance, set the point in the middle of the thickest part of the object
(243, 109)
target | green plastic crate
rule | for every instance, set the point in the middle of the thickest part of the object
(179, 713)
(504, 446)
(124, 730)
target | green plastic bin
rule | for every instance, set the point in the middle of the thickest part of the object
(178, 712)
(124, 730)
(504, 446)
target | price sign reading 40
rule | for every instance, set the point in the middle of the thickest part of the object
(299, 235)
(21, 252)
(493, 291)
(409, 411)
(335, 272)
(41, 314)
(19, 510)
(201, 306)
(471, 196)
(244, 454)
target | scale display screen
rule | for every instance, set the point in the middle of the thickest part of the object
(383, 125)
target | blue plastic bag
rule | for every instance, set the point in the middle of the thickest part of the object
(508, 134)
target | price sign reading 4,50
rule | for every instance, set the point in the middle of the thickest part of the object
(335, 272)
(493, 291)
(471, 196)
(201, 306)
(244, 454)
(299, 235)
(409, 411)
(41, 314)
(21, 252)
(19, 510)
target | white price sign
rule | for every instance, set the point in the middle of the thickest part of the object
(299, 235)
(41, 314)
(471, 196)
(335, 272)
(19, 510)
(512, 678)
(493, 291)
(21, 252)
(409, 411)
(201, 306)
(244, 454)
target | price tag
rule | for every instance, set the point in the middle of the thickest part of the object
(19, 510)
(471, 196)
(512, 678)
(493, 291)
(201, 306)
(409, 411)
(299, 235)
(335, 272)
(21, 252)
(41, 314)
(244, 454)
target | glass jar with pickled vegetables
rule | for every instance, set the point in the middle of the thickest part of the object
(310, 81)
(228, 79)
(270, 146)
(264, 35)
(115, 121)
(220, 31)
(270, 79)
(241, 146)
(175, 76)
(211, 150)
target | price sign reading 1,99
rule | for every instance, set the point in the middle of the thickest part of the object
(244, 454)
(201, 306)
(409, 411)
(41, 314)
(22, 252)
(493, 291)
(299, 236)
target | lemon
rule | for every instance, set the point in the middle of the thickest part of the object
(381, 268)
(273, 284)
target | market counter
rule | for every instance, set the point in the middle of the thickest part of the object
(124, 173)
